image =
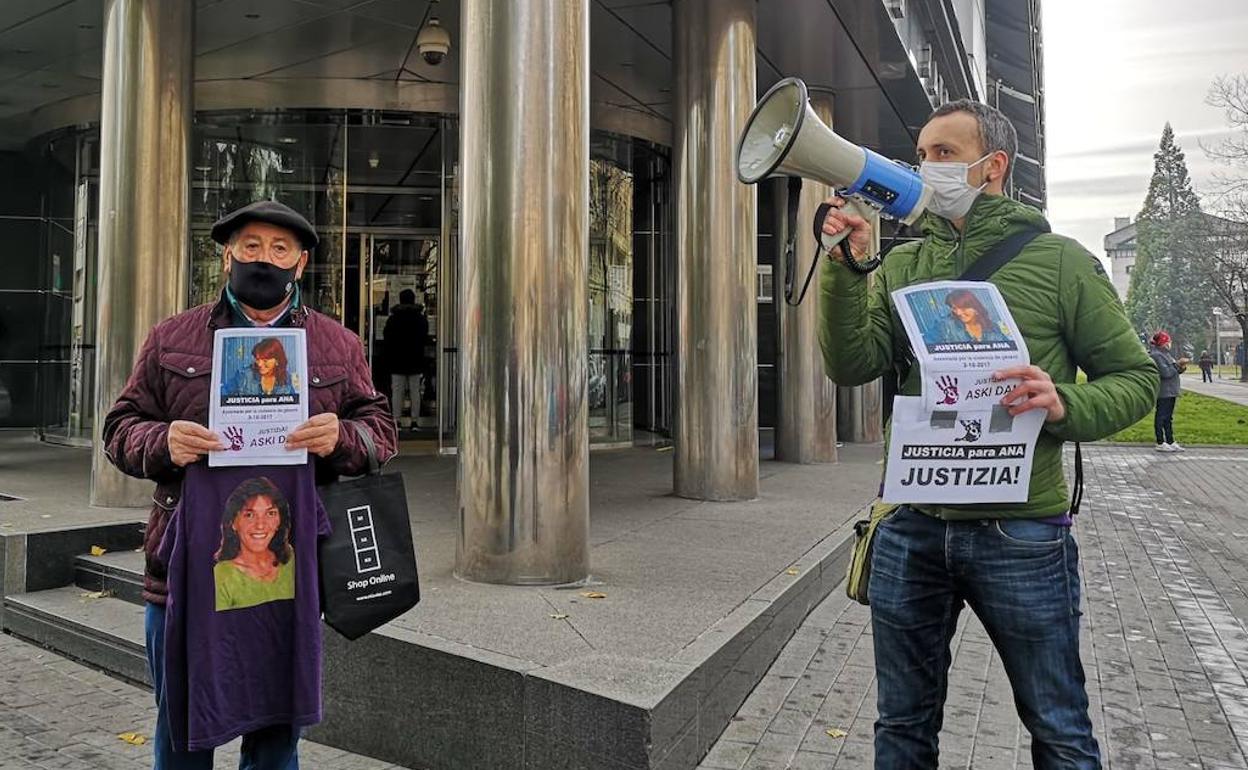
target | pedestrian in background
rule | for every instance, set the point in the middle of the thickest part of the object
(1169, 369)
(1206, 366)
(406, 335)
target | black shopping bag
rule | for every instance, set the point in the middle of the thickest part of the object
(368, 564)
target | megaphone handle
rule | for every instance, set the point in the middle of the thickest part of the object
(830, 242)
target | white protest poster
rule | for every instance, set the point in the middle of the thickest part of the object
(959, 457)
(259, 395)
(961, 332)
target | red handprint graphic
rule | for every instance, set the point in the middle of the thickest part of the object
(949, 387)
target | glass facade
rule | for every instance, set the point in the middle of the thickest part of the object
(382, 190)
(47, 291)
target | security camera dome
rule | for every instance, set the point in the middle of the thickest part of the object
(433, 42)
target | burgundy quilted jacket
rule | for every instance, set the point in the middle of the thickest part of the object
(171, 380)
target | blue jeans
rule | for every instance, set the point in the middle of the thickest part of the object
(271, 748)
(1021, 579)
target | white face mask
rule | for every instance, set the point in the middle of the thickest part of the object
(952, 195)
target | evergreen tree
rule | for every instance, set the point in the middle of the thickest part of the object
(1169, 287)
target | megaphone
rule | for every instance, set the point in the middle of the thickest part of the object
(784, 137)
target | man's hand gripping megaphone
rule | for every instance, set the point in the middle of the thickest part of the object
(845, 221)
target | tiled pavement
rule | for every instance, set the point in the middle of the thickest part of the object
(1164, 541)
(55, 713)
(1164, 547)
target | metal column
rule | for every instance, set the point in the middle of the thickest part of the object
(716, 429)
(806, 408)
(524, 432)
(145, 133)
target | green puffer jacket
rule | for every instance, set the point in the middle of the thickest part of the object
(1066, 308)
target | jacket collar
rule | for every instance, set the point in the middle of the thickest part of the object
(224, 315)
(991, 218)
(989, 214)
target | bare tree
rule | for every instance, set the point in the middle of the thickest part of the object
(1227, 256)
(1226, 265)
(1230, 94)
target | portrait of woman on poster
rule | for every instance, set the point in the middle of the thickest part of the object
(254, 564)
(969, 320)
(268, 374)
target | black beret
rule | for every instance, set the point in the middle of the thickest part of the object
(271, 212)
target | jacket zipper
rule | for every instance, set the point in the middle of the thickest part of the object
(962, 241)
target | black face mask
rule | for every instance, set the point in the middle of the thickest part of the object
(260, 285)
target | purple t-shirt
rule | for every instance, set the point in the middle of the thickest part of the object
(242, 623)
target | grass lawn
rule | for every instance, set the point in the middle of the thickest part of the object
(1197, 420)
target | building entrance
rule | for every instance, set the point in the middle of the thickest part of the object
(392, 303)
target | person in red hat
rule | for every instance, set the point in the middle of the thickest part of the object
(1170, 369)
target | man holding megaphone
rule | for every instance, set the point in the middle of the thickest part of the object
(1015, 564)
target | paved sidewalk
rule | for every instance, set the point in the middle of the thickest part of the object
(1164, 546)
(55, 713)
(1230, 390)
(1164, 541)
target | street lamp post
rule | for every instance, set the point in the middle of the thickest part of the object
(1217, 336)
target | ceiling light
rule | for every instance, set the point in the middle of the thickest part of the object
(373, 160)
(287, 140)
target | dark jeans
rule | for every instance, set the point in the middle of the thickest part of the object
(1163, 420)
(1021, 579)
(270, 748)
(1206, 374)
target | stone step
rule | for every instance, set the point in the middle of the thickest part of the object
(120, 574)
(668, 715)
(100, 631)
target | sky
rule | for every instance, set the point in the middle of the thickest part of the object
(1115, 71)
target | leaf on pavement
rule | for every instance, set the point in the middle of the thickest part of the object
(593, 595)
(98, 550)
(134, 739)
(792, 571)
(834, 732)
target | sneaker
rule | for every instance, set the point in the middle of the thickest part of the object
(1162, 448)
(1174, 447)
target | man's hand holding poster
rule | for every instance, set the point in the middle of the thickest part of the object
(957, 443)
(959, 457)
(259, 395)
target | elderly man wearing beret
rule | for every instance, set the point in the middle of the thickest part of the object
(157, 426)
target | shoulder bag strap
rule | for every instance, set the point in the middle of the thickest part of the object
(999, 256)
(982, 270)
